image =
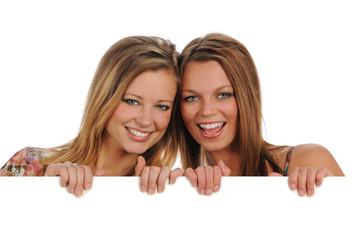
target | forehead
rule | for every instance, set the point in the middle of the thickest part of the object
(208, 74)
(161, 82)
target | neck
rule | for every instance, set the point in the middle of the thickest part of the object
(230, 156)
(115, 161)
(230, 159)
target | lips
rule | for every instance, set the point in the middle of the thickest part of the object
(211, 130)
(138, 135)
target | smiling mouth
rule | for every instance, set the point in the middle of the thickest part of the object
(137, 133)
(211, 129)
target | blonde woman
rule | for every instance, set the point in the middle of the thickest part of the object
(127, 113)
(220, 122)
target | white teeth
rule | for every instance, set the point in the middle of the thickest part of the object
(137, 133)
(211, 126)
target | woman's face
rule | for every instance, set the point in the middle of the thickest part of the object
(208, 105)
(142, 116)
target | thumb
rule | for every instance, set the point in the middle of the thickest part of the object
(225, 171)
(275, 174)
(99, 172)
(140, 166)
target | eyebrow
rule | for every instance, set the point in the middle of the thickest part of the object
(216, 90)
(141, 98)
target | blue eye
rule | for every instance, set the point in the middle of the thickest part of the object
(163, 107)
(224, 95)
(131, 102)
(190, 99)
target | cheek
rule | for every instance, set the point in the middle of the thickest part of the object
(187, 113)
(231, 112)
(162, 120)
(122, 113)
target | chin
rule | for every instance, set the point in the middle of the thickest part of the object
(213, 147)
(136, 150)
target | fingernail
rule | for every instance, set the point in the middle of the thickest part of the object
(208, 191)
(216, 188)
(72, 190)
(309, 192)
(78, 193)
(160, 189)
(142, 188)
(301, 193)
(292, 186)
(88, 186)
(150, 191)
(201, 191)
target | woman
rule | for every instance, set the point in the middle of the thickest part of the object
(127, 113)
(220, 121)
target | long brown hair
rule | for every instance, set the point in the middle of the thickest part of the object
(241, 72)
(123, 62)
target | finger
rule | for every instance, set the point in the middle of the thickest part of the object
(191, 175)
(144, 179)
(311, 172)
(274, 174)
(61, 170)
(224, 169)
(175, 174)
(302, 178)
(53, 169)
(140, 166)
(164, 174)
(80, 175)
(99, 172)
(293, 178)
(88, 177)
(153, 177)
(201, 179)
(209, 173)
(217, 178)
(323, 172)
(72, 178)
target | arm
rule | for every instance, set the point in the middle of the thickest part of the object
(26, 162)
(314, 156)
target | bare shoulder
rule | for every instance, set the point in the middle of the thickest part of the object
(314, 155)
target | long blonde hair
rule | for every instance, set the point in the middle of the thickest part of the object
(123, 62)
(241, 71)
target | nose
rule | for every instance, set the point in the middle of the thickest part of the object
(207, 108)
(144, 117)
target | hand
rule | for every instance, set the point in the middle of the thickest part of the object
(208, 179)
(76, 177)
(152, 177)
(303, 179)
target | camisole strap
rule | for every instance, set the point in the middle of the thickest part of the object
(287, 162)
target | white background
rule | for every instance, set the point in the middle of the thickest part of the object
(307, 55)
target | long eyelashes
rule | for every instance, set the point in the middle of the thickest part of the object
(190, 99)
(163, 107)
(134, 102)
(225, 95)
(220, 96)
(131, 102)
